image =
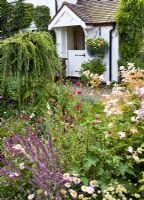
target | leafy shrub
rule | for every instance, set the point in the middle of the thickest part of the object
(95, 66)
(28, 60)
(15, 17)
(42, 17)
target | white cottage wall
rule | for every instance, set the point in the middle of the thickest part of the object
(103, 32)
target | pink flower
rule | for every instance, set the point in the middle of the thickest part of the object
(78, 84)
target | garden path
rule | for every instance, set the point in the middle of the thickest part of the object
(92, 94)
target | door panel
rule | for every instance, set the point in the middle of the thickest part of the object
(75, 60)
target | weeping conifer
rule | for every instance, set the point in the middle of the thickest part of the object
(27, 59)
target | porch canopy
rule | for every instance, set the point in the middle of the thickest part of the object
(67, 17)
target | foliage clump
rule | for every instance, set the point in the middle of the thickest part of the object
(130, 26)
(42, 17)
(28, 60)
(15, 16)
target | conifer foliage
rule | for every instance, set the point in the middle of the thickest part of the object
(27, 60)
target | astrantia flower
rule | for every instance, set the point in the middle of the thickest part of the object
(76, 180)
(130, 149)
(68, 185)
(93, 183)
(90, 190)
(31, 196)
(73, 194)
(84, 188)
(66, 176)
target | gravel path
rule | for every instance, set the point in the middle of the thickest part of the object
(92, 93)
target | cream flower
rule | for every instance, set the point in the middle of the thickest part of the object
(31, 196)
(93, 183)
(76, 180)
(73, 194)
(84, 188)
(66, 176)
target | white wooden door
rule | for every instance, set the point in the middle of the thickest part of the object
(75, 60)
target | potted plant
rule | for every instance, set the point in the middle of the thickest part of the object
(96, 46)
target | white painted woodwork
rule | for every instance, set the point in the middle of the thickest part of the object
(75, 60)
(66, 18)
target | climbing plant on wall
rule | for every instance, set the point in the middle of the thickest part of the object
(130, 24)
(28, 60)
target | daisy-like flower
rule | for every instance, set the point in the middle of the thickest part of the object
(66, 176)
(93, 183)
(73, 194)
(90, 190)
(76, 180)
(84, 188)
(67, 185)
(31, 196)
(130, 149)
(71, 178)
(122, 135)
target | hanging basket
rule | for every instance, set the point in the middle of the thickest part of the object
(90, 51)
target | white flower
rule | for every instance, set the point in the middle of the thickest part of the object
(93, 183)
(73, 194)
(66, 176)
(31, 196)
(130, 149)
(137, 196)
(101, 77)
(122, 135)
(32, 115)
(18, 147)
(133, 119)
(70, 178)
(68, 185)
(75, 174)
(21, 166)
(130, 65)
(139, 150)
(13, 174)
(76, 180)
(135, 157)
(122, 68)
(84, 188)
(90, 190)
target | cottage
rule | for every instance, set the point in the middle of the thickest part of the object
(77, 20)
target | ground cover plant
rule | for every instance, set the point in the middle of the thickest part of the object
(98, 145)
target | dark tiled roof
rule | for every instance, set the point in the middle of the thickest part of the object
(94, 11)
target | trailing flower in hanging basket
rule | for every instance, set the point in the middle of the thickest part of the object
(96, 46)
